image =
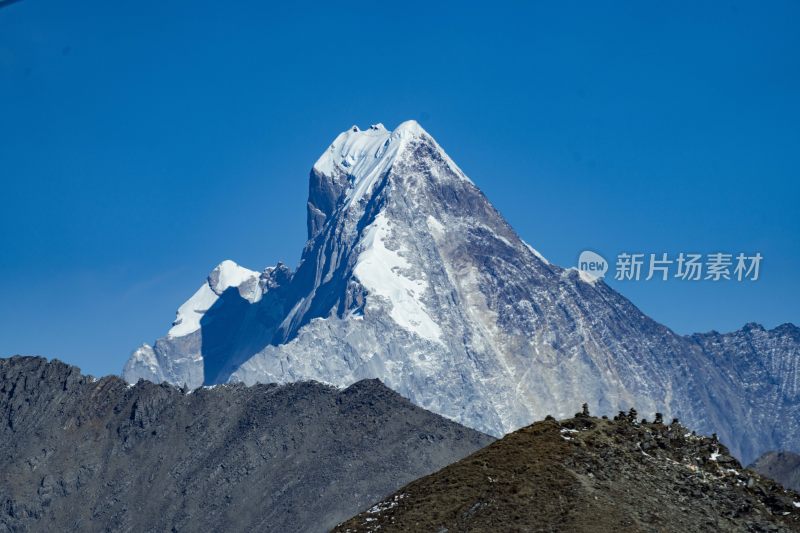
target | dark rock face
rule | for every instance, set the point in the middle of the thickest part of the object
(783, 467)
(98, 455)
(593, 475)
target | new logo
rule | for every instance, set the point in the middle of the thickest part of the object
(592, 264)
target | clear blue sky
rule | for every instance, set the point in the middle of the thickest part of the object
(141, 143)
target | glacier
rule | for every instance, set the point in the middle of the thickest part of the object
(411, 276)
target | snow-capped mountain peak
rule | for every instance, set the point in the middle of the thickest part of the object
(363, 156)
(357, 160)
(411, 276)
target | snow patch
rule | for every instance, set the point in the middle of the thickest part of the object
(435, 227)
(380, 271)
(535, 252)
(189, 314)
(583, 276)
(386, 505)
(226, 275)
(588, 278)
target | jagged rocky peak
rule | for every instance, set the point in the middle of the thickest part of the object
(350, 169)
(275, 276)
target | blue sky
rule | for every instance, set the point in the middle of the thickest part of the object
(141, 143)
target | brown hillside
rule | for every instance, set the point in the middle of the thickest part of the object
(593, 475)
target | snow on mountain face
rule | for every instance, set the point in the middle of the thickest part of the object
(227, 274)
(379, 270)
(179, 353)
(411, 276)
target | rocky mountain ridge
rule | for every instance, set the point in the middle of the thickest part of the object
(85, 454)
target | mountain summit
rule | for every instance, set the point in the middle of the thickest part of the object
(411, 276)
